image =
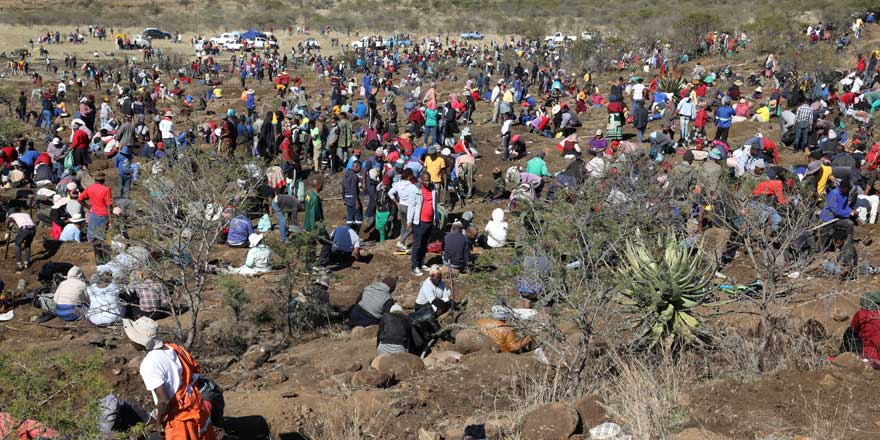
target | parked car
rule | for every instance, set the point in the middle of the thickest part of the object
(262, 43)
(473, 35)
(140, 42)
(559, 38)
(228, 37)
(153, 33)
(312, 43)
(233, 45)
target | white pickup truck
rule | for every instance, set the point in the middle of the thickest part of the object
(559, 38)
(228, 37)
(262, 43)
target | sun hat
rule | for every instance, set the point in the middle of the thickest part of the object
(74, 272)
(58, 201)
(445, 152)
(832, 134)
(99, 176)
(759, 89)
(169, 114)
(598, 132)
(255, 239)
(250, 91)
(434, 269)
(76, 218)
(396, 308)
(56, 141)
(813, 167)
(432, 150)
(144, 331)
(608, 431)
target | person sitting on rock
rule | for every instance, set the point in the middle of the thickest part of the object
(395, 332)
(504, 335)
(433, 292)
(70, 300)
(373, 302)
(863, 335)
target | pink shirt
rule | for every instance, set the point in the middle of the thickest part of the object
(22, 220)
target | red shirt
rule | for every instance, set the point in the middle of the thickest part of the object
(10, 152)
(43, 158)
(99, 198)
(770, 146)
(427, 213)
(701, 118)
(80, 140)
(285, 149)
(770, 187)
(866, 324)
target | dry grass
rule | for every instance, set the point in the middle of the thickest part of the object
(646, 399)
(338, 424)
(828, 422)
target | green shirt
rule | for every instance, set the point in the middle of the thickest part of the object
(314, 211)
(537, 167)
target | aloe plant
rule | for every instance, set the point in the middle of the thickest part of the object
(662, 284)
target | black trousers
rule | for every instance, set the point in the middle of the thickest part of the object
(421, 235)
(24, 238)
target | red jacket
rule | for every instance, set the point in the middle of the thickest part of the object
(866, 324)
(43, 158)
(770, 146)
(10, 152)
(80, 140)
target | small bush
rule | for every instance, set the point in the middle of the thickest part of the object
(233, 336)
(61, 392)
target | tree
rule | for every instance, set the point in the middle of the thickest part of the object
(694, 26)
(186, 207)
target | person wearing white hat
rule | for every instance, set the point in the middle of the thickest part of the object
(257, 260)
(72, 232)
(166, 128)
(434, 293)
(170, 373)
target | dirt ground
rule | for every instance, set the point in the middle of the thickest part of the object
(307, 377)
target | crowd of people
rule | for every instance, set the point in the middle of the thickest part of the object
(403, 170)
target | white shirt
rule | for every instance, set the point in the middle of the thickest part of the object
(104, 307)
(166, 126)
(161, 367)
(496, 93)
(496, 234)
(596, 167)
(637, 91)
(405, 190)
(429, 292)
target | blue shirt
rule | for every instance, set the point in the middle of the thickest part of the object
(239, 229)
(836, 206)
(419, 153)
(344, 239)
(29, 157)
(724, 116)
(122, 162)
(70, 232)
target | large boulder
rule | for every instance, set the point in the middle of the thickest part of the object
(255, 356)
(371, 379)
(365, 332)
(590, 409)
(471, 341)
(849, 367)
(552, 421)
(401, 365)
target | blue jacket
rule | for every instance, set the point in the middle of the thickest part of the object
(249, 103)
(836, 206)
(122, 161)
(350, 190)
(724, 116)
(239, 229)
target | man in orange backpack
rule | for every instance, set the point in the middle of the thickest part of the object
(170, 373)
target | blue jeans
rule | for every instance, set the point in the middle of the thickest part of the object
(97, 227)
(640, 135)
(57, 169)
(353, 215)
(801, 134)
(45, 119)
(124, 185)
(282, 221)
(430, 133)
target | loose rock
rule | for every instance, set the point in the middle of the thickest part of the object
(553, 421)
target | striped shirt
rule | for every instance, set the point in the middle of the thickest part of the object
(804, 114)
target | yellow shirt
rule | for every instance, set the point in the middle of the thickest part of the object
(823, 180)
(764, 113)
(508, 96)
(434, 167)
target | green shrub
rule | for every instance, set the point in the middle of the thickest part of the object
(60, 391)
